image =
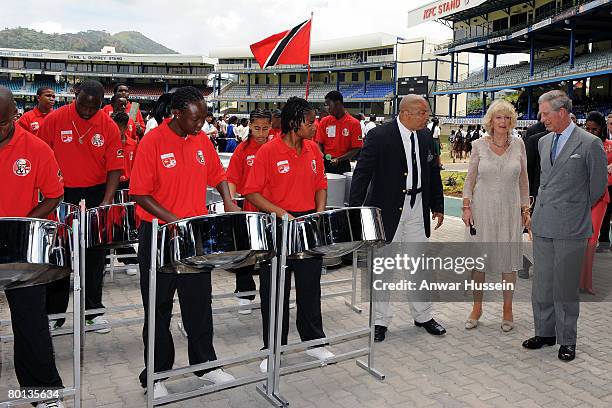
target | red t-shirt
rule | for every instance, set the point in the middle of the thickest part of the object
(240, 166)
(27, 165)
(273, 133)
(32, 120)
(129, 153)
(339, 135)
(86, 150)
(286, 179)
(175, 171)
(109, 109)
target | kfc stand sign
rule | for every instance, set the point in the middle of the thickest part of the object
(439, 9)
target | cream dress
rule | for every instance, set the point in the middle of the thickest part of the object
(498, 186)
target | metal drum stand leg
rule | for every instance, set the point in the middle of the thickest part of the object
(269, 390)
(369, 365)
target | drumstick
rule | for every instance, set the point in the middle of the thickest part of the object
(134, 111)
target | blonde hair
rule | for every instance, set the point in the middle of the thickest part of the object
(503, 107)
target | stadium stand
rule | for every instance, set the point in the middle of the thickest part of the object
(14, 85)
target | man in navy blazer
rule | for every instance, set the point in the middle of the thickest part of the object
(398, 172)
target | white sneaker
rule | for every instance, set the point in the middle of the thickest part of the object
(263, 366)
(218, 376)
(244, 302)
(98, 320)
(131, 271)
(159, 390)
(51, 404)
(320, 353)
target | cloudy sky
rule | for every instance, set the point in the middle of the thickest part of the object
(197, 26)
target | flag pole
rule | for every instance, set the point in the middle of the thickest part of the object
(308, 72)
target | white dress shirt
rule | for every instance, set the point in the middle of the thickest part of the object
(407, 148)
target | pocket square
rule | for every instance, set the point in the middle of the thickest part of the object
(575, 156)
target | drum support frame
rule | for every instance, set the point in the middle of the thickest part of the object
(241, 359)
(278, 349)
(75, 390)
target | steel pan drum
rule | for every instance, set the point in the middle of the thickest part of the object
(65, 213)
(334, 233)
(122, 197)
(225, 159)
(218, 240)
(218, 208)
(33, 251)
(212, 195)
(335, 189)
(111, 226)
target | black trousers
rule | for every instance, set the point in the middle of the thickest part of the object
(58, 292)
(604, 232)
(245, 281)
(307, 275)
(340, 168)
(33, 348)
(194, 290)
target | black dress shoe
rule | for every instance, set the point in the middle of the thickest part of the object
(538, 342)
(432, 327)
(567, 353)
(379, 333)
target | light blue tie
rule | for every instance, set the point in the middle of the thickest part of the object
(553, 151)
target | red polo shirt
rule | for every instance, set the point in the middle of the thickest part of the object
(240, 166)
(27, 165)
(109, 109)
(175, 171)
(129, 154)
(273, 133)
(86, 150)
(286, 179)
(32, 120)
(339, 135)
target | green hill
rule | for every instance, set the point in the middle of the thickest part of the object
(91, 40)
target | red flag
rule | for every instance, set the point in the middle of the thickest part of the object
(289, 47)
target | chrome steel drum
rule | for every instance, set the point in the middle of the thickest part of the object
(347, 186)
(218, 208)
(216, 240)
(225, 159)
(122, 197)
(111, 226)
(334, 233)
(65, 213)
(335, 189)
(33, 251)
(212, 195)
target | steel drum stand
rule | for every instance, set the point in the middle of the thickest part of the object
(269, 389)
(75, 390)
(241, 359)
(340, 338)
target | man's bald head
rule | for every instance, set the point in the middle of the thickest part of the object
(414, 112)
(412, 101)
(8, 111)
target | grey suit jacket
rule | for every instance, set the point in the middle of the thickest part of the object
(570, 187)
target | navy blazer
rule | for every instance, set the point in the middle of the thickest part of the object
(379, 180)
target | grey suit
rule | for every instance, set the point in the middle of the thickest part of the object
(561, 227)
